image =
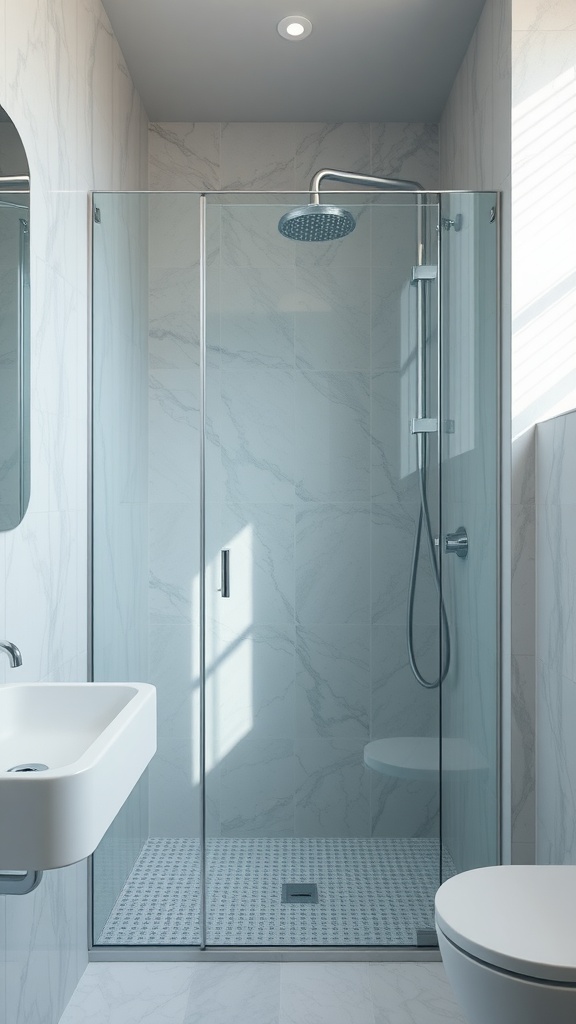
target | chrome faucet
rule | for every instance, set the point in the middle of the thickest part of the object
(12, 652)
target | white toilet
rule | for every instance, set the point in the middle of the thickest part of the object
(507, 936)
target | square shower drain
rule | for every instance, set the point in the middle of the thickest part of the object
(300, 892)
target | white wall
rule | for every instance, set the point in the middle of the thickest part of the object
(65, 85)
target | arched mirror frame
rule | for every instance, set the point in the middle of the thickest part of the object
(14, 326)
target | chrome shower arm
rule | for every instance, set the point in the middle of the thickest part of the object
(368, 180)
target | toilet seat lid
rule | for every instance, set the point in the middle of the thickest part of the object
(519, 918)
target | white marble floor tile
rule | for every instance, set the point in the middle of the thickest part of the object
(130, 993)
(412, 994)
(263, 993)
(234, 994)
(336, 993)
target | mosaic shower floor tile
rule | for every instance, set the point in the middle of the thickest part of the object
(371, 892)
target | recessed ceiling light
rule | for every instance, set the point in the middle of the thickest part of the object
(294, 27)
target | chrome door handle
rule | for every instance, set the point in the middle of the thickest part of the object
(224, 587)
(457, 543)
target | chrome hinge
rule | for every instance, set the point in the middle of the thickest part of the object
(423, 426)
(97, 215)
(425, 272)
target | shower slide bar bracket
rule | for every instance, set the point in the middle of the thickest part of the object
(424, 425)
(424, 272)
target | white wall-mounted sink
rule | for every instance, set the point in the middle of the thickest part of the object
(95, 738)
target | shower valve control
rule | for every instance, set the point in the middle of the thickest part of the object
(457, 543)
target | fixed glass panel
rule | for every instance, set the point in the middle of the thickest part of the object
(322, 752)
(146, 871)
(470, 471)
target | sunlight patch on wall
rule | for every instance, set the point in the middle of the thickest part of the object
(544, 253)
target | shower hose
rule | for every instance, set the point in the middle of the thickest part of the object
(424, 524)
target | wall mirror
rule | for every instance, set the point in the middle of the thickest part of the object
(14, 326)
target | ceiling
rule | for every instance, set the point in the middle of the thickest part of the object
(223, 60)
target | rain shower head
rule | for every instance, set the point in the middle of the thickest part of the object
(315, 223)
(319, 223)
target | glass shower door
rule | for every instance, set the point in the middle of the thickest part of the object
(313, 837)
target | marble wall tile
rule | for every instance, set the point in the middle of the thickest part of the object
(399, 705)
(174, 561)
(260, 538)
(523, 579)
(524, 468)
(250, 685)
(332, 457)
(250, 236)
(173, 319)
(43, 959)
(408, 151)
(174, 235)
(556, 554)
(332, 681)
(523, 732)
(95, 104)
(392, 538)
(393, 476)
(174, 448)
(332, 318)
(402, 807)
(174, 771)
(335, 146)
(257, 157)
(256, 318)
(332, 563)
(184, 156)
(556, 768)
(554, 443)
(501, 140)
(543, 15)
(480, 67)
(393, 320)
(332, 788)
(257, 789)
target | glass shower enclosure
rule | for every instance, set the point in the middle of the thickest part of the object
(292, 443)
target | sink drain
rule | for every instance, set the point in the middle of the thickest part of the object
(32, 766)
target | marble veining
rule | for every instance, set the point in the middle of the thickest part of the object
(343, 993)
(555, 650)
